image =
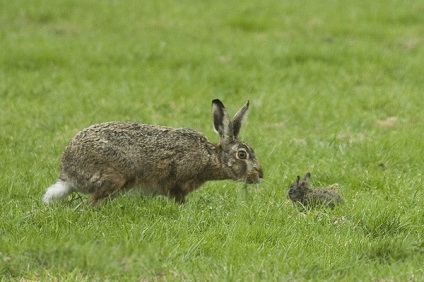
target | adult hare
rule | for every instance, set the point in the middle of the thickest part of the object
(109, 157)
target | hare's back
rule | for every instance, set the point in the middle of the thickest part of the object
(133, 137)
(133, 145)
(129, 133)
(326, 195)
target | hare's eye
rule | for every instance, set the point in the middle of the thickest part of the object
(242, 154)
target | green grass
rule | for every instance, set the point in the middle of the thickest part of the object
(336, 88)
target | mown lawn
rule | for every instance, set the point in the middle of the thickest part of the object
(336, 88)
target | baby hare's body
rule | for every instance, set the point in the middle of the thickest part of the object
(301, 192)
(108, 157)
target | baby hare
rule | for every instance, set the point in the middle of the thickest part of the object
(301, 192)
(109, 157)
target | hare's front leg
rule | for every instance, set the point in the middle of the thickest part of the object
(178, 194)
(179, 190)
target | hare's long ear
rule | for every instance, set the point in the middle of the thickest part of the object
(307, 177)
(221, 121)
(239, 119)
(298, 180)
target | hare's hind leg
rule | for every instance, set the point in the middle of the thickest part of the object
(57, 191)
(110, 185)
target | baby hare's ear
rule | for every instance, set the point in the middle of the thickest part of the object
(221, 121)
(307, 177)
(239, 119)
(298, 179)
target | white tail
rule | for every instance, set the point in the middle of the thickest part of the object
(57, 191)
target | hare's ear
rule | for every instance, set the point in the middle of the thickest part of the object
(239, 119)
(221, 121)
(298, 179)
(307, 177)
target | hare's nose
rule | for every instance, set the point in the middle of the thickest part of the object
(260, 172)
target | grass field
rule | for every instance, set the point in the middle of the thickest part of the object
(336, 88)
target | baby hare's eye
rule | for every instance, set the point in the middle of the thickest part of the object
(242, 154)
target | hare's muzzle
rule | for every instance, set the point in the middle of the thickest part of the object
(260, 174)
(255, 176)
